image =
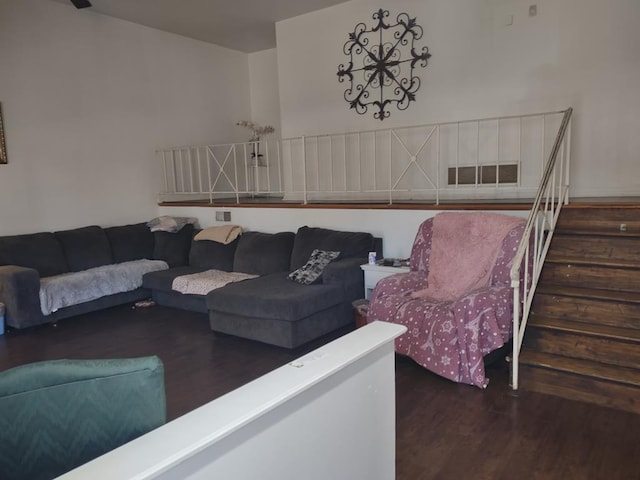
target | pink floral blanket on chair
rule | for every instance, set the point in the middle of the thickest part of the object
(456, 302)
(464, 248)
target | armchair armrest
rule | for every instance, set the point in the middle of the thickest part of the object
(20, 292)
(492, 308)
(400, 284)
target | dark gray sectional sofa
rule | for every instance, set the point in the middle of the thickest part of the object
(271, 308)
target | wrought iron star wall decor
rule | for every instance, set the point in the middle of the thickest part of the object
(383, 57)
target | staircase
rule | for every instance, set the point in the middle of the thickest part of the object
(583, 336)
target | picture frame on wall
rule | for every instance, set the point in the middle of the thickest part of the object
(3, 144)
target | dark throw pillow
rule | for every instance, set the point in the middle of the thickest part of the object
(310, 272)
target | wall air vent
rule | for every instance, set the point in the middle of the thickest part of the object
(483, 174)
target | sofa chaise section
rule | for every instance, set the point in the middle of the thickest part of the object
(273, 309)
(276, 310)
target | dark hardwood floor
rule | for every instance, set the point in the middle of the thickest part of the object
(444, 430)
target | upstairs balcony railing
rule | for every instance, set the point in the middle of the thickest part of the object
(488, 158)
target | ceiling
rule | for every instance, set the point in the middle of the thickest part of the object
(245, 25)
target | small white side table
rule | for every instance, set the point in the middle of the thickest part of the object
(374, 273)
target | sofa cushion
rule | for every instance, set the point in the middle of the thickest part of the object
(350, 244)
(40, 251)
(163, 279)
(130, 242)
(172, 247)
(85, 247)
(212, 255)
(274, 297)
(264, 253)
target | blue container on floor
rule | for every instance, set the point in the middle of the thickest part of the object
(1, 318)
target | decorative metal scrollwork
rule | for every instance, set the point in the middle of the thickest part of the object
(383, 58)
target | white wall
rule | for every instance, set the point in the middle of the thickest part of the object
(580, 53)
(88, 98)
(263, 81)
(397, 228)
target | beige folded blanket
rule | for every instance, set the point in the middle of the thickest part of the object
(204, 282)
(222, 234)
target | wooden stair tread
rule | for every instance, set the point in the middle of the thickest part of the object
(594, 293)
(583, 339)
(588, 368)
(602, 262)
(587, 329)
(560, 230)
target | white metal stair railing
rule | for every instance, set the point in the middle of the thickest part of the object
(553, 192)
(427, 163)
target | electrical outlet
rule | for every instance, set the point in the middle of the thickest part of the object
(223, 216)
(623, 227)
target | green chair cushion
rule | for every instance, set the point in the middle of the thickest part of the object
(57, 415)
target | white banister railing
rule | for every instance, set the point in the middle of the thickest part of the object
(552, 193)
(487, 158)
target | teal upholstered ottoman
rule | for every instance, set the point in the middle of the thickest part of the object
(59, 414)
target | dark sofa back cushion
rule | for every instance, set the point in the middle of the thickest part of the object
(173, 247)
(40, 251)
(263, 253)
(349, 244)
(212, 255)
(130, 242)
(85, 247)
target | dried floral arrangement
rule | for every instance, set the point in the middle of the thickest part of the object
(257, 131)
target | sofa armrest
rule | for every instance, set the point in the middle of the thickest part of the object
(20, 292)
(348, 273)
(347, 269)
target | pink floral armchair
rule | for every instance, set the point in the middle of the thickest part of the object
(451, 336)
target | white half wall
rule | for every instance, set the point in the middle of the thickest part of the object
(328, 415)
(87, 99)
(397, 228)
(579, 53)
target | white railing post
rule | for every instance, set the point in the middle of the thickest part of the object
(164, 171)
(568, 160)
(304, 169)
